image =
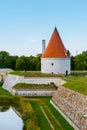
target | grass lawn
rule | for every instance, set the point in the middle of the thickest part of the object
(26, 86)
(77, 83)
(4, 92)
(20, 73)
(34, 74)
(48, 117)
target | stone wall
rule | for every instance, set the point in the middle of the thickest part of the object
(2, 76)
(11, 80)
(31, 93)
(73, 105)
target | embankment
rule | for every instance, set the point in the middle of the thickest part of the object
(73, 105)
(12, 80)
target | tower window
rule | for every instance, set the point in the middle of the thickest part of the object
(52, 64)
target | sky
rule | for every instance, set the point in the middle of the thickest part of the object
(25, 23)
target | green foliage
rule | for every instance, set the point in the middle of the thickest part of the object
(79, 62)
(72, 63)
(10, 100)
(11, 62)
(22, 63)
(3, 59)
(7, 61)
(1, 83)
(28, 116)
(28, 63)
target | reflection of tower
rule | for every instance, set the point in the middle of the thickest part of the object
(43, 46)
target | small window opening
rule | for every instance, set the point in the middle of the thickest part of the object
(52, 64)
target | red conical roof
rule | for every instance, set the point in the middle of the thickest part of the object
(55, 48)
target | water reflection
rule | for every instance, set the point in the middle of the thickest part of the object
(9, 120)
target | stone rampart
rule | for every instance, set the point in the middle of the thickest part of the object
(73, 105)
(11, 80)
(31, 93)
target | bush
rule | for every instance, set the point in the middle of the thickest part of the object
(28, 116)
(1, 83)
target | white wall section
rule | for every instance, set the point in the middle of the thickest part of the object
(55, 65)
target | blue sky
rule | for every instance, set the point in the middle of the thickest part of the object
(24, 23)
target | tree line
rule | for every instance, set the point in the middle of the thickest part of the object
(20, 63)
(78, 62)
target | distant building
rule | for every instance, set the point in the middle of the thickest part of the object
(55, 59)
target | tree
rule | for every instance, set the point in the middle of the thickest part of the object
(81, 61)
(72, 63)
(22, 63)
(38, 59)
(34, 62)
(3, 59)
(11, 63)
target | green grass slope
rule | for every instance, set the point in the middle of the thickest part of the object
(77, 83)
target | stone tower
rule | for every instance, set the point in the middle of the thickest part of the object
(55, 59)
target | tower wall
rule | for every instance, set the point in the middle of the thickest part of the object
(55, 65)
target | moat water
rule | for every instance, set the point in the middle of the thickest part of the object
(9, 120)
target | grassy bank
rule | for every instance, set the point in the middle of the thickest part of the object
(77, 83)
(31, 110)
(28, 116)
(4, 92)
(35, 74)
(26, 86)
(47, 115)
(24, 108)
(79, 73)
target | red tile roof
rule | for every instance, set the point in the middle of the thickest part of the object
(55, 48)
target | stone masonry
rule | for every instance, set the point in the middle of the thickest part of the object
(11, 80)
(31, 93)
(73, 105)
